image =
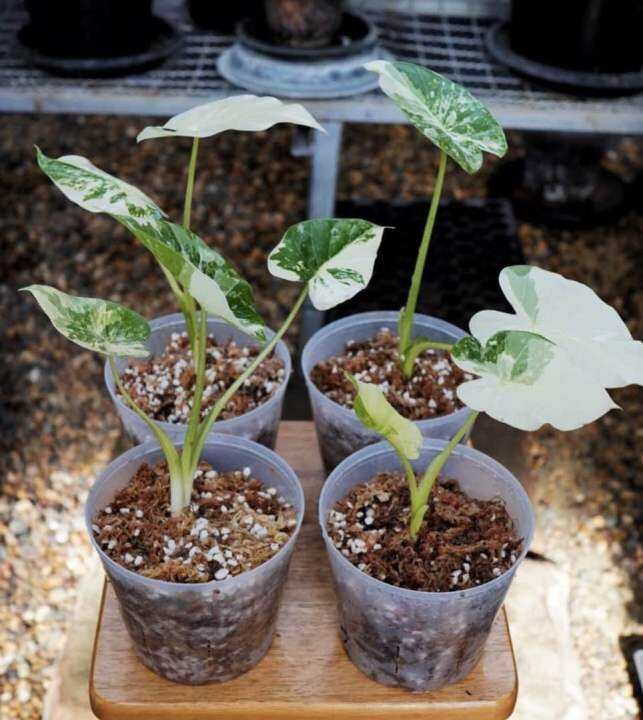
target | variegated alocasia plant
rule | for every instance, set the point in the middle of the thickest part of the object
(463, 129)
(310, 252)
(185, 259)
(550, 362)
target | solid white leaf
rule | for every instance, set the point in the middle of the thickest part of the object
(573, 317)
(239, 112)
(563, 396)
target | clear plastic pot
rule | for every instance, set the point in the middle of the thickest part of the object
(206, 632)
(339, 432)
(407, 638)
(260, 424)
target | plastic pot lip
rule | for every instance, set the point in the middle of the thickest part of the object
(387, 316)
(221, 425)
(215, 439)
(384, 449)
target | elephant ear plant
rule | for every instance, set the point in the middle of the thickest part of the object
(422, 567)
(333, 259)
(412, 366)
(463, 129)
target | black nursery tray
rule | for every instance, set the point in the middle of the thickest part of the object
(472, 242)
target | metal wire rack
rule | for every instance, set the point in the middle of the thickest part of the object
(450, 44)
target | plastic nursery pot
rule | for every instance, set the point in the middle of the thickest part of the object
(310, 23)
(408, 638)
(91, 28)
(260, 424)
(339, 432)
(206, 632)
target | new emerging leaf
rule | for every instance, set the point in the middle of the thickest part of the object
(376, 413)
(335, 257)
(99, 325)
(443, 111)
(240, 112)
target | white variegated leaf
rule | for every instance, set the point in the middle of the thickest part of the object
(95, 190)
(527, 381)
(377, 414)
(573, 317)
(239, 112)
(100, 325)
(202, 272)
(335, 257)
(443, 111)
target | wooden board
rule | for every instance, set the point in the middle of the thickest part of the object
(306, 675)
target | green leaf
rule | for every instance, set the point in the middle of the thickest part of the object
(97, 191)
(443, 111)
(202, 272)
(335, 257)
(377, 414)
(100, 325)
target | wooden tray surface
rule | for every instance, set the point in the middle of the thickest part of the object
(306, 675)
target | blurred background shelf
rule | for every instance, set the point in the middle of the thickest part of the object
(448, 36)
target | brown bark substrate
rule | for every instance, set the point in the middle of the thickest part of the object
(233, 524)
(430, 392)
(463, 542)
(163, 386)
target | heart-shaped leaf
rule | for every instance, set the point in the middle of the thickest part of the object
(376, 413)
(100, 325)
(97, 191)
(443, 111)
(527, 381)
(202, 272)
(573, 317)
(335, 257)
(239, 112)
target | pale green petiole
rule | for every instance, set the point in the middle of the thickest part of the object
(189, 189)
(419, 503)
(418, 346)
(405, 324)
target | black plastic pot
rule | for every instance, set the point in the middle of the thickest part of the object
(91, 28)
(586, 35)
(222, 17)
(307, 23)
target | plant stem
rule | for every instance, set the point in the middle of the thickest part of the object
(170, 452)
(187, 207)
(206, 424)
(420, 506)
(199, 359)
(406, 317)
(418, 346)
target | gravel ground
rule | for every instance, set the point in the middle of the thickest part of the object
(58, 428)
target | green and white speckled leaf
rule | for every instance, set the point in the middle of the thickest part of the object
(527, 381)
(202, 272)
(100, 325)
(377, 414)
(335, 257)
(443, 111)
(97, 191)
(573, 317)
(239, 112)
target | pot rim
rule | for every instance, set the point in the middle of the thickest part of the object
(151, 446)
(383, 449)
(364, 319)
(281, 349)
